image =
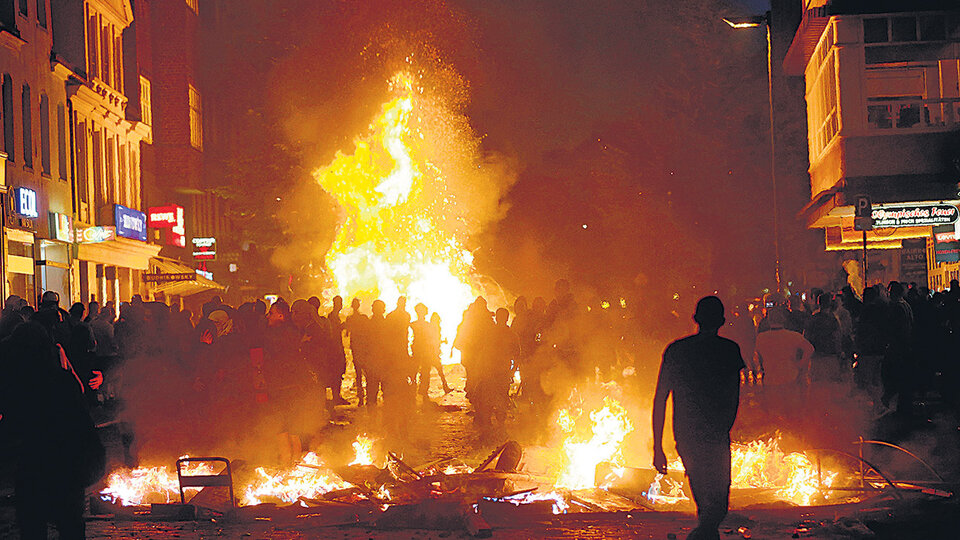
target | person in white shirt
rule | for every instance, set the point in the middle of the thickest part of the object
(781, 360)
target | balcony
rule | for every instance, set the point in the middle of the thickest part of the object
(909, 116)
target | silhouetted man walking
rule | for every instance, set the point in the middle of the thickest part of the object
(703, 373)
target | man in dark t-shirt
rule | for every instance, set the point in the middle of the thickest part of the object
(702, 372)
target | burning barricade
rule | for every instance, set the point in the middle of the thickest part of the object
(588, 473)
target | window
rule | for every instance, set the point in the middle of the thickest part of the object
(42, 13)
(903, 28)
(875, 31)
(823, 122)
(93, 52)
(61, 142)
(194, 5)
(82, 166)
(8, 116)
(99, 186)
(932, 28)
(196, 118)
(146, 108)
(44, 134)
(23, 7)
(27, 126)
(118, 62)
(111, 177)
(106, 43)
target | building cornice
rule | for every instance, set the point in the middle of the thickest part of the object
(11, 40)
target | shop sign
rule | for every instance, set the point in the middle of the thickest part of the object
(913, 261)
(169, 218)
(913, 215)
(95, 235)
(946, 248)
(130, 223)
(204, 273)
(164, 217)
(25, 202)
(168, 278)
(204, 249)
(62, 227)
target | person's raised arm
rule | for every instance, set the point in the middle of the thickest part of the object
(659, 416)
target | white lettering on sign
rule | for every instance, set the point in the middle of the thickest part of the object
(132, 222)
(27, 202)
(166, 217)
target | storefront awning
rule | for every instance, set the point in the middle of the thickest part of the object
(121, 252)
(164, 265)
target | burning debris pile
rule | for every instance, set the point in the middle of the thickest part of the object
(590, 475)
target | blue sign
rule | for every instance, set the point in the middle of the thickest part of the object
(130, 223)
(25, 202)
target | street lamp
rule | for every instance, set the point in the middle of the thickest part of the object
(754, 21)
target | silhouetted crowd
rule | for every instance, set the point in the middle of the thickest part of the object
(275, 373)
(895, 347)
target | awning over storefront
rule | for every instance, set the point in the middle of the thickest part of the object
(121, 252)
(164, 265)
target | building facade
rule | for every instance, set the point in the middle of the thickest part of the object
(166, 44)
(35, 185)
(883, 118)
(110, 226)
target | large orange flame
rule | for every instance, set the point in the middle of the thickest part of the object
(393, 240)
(581, 455)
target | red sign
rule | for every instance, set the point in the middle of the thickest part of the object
(169, 217)
(163, 217)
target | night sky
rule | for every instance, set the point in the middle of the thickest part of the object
(644, 120)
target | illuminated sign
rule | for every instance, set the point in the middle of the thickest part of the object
(204, 273)
(95, 235)
(130, 223)
(164, 217)
(204, 249)
(168, 278)
(946, 248)
(61, 226)
(25, 201)
(913, 215)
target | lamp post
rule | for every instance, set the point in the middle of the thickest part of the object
(755, 21)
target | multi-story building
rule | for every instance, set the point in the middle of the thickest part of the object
(165, 44)
(35, 177)
(883, 116)
(110, 226)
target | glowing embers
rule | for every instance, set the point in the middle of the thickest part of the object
(397, 237)
(581, 453)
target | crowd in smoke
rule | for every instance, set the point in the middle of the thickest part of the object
(260, 381)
